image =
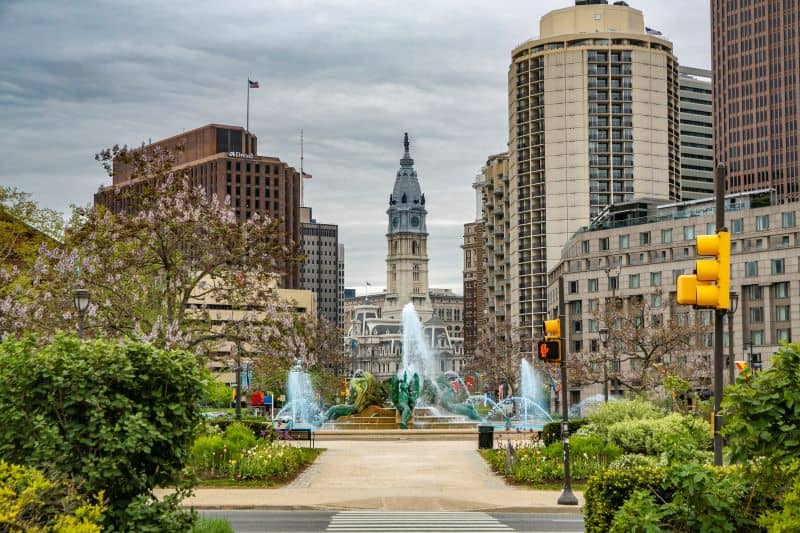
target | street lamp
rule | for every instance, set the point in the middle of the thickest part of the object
(731, 311)
(604, 340)
(80, 297)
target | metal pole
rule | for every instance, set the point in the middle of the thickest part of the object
(238, 382)
(719, 317)
(567, 497)
(247, 124)
(605, 372)
(731, 374)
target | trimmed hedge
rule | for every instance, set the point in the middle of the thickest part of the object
(551, 432)
(259, 426)
(608, 490)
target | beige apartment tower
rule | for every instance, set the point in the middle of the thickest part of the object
(593, 121)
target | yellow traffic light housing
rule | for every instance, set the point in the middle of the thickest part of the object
(552, 328)
(710, 286)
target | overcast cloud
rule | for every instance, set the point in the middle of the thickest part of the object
(82, 75)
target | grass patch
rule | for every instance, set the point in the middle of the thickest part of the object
(212, 525)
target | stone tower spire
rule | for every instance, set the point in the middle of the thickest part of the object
(407, 239)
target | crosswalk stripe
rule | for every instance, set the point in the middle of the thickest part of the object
(398, 521)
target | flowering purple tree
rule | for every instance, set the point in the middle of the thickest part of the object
(171, 265)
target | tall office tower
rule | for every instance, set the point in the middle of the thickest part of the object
(593, 120)
(473, 274)
(224, 160)
(755, 58)
(697, 139)
(496, 223)
(340, 322)
(320, 271)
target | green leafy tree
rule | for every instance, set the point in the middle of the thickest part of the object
(112, 417)
(24, 226)
(762, 412)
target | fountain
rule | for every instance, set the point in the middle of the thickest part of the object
(525, 412)
(302, 409)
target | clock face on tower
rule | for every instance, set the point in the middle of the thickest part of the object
(395, 222)
(415, 221)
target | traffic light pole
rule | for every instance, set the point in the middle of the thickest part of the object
(719, 319)
(567, 497)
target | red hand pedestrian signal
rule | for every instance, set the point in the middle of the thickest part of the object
(550, 351)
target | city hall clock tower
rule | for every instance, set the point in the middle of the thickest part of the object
(407, 240)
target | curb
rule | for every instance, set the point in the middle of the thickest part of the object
(544, 509)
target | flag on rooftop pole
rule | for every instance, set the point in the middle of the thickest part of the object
(250, 85)
(651, 31)
(306, 175)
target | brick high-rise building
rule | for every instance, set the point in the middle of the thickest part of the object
(225, 161)
(755, 57)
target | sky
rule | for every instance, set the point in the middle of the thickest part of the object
(80, 76)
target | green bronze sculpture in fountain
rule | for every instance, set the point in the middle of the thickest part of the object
(405, 393)
(450, 400)
(363, 391)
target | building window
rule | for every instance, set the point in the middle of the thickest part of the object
(575, 307)
(655, 301)
(613, 283)
(594, 325)
(577, 326)
(762, 222)
(644, 238)
(751, 269)
(603, 243)
(788, 219)
(666, 236)
(737, 226)
(783, 335)
(754, 292)
(756, 314)
(782, 289)
(577, 347)
(624, 242)
(655, 279)
(573, 287)
(585, 247)
(675, 273)
(415, 273)
(782, 312)
(594, 305)
(633, 281)
(757, 338)
(688, 233)
(711, 228)
(593, 287)
(778, 266)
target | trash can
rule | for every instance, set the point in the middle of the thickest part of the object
(485, 437)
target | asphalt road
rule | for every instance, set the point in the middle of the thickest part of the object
(256, 521)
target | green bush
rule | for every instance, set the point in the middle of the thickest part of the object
(787, 519)
(212, 525)
(607, 414)
(632, 460)
(238, 438)
(762, 418)
(653, 436)
(209, 455)
(113, 417)
(551, 432)
(31, 502)
(639, 514)
(607, 491)
(217, 394)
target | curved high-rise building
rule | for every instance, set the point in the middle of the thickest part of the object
(593, 121)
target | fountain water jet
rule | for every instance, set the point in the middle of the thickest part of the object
(301, 407)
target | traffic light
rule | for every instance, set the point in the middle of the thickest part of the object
(710, 286)
(552, 329)
(550, 351)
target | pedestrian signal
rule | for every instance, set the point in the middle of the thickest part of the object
(550, 351)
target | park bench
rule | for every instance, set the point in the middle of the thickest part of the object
(298, 434)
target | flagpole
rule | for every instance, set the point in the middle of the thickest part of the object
(247, 127)
(302, 175)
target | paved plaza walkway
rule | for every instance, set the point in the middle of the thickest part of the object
(418, 475)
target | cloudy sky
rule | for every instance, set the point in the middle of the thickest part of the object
(77, 76)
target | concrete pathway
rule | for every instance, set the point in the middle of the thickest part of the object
(391, 476)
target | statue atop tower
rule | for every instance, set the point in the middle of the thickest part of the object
(407, 240)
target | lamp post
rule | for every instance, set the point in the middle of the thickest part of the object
(237, 362)
(80, 297)
(731, 311)
(604, 340)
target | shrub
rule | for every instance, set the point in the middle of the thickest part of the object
(786, 520)
(653, 436)
(607, 490)
(632, 460)
(31, 502)
(118, 417)
(607, 414)
(761, 413)
(639, 514)
(209, 455)
(212, 525)
(238, 438)
(271, 461)
(551, 431)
